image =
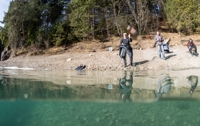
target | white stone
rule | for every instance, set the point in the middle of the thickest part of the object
(68, 82)
(110, 49)
(69, 59)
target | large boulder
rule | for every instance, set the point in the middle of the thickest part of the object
(6, 54)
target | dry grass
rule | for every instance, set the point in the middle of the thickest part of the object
(139, 42)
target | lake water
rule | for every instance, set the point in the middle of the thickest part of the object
(96, 98)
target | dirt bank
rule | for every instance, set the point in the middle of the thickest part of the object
(96, 56)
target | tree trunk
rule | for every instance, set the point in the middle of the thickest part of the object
(140, 11)
(107, 26)
(115, 17)
(93, 24)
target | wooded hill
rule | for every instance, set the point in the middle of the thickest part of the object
(48, 23)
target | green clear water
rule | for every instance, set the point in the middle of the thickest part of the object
(47, 98)
(71, 113)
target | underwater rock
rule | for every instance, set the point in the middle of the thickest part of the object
(25, 95)
(84, 119)
(97, 119)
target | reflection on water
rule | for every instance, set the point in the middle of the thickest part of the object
(127, 86)
(193, 81)
(164, 86)
(113, 98)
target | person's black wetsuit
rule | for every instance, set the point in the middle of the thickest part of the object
(125, 43)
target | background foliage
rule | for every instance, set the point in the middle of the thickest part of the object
(48, 23)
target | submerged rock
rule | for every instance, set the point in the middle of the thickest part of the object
(97, 119)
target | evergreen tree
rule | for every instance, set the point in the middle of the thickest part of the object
(183, 15)
(81, 17)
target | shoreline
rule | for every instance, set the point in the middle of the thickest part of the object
(146, 59)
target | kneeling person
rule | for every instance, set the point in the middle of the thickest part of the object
(192, 48)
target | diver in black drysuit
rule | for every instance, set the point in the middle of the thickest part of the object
(125, 86)
(124, 48)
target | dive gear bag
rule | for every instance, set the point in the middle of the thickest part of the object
(122, 52)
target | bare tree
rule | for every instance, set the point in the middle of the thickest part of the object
(117, 6)
(140, 11)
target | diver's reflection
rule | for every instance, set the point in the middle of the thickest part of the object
(164, 86)
(193, 81)
(3, 80)
(125, 86)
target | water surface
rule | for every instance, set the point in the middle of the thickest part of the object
(88, 98)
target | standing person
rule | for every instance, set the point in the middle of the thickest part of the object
(126, 47)
(159, 42)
